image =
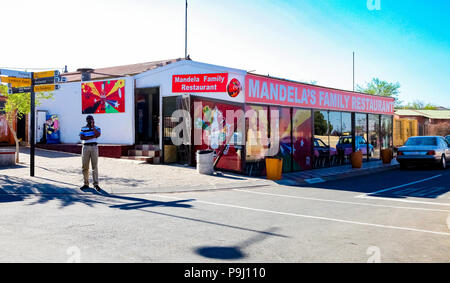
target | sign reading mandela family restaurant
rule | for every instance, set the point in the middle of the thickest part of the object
(260, 89)
(200, 83)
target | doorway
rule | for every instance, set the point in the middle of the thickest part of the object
(147, 122)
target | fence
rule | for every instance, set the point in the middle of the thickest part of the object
(403, 129)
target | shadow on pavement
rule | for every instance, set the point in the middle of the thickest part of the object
(233, 252)
(398, 180)
(15, 189)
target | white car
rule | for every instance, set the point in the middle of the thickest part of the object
(424, 150)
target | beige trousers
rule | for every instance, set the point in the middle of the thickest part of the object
(90, 154)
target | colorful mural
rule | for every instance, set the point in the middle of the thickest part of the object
(302, 137)
(103, 97)
(52, 129)
(216, 132)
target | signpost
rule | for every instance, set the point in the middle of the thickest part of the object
(25, 82)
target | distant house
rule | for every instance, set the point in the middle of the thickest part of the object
(430, 122)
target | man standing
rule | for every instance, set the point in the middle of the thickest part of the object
(88, 136)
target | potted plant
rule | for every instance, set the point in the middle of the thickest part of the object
(356, 159)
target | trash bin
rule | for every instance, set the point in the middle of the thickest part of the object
(205, 162)
(274, 168)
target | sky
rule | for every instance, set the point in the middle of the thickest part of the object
(405, 41)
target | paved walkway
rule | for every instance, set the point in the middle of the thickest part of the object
(60, 173)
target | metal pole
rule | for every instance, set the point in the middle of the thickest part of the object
(33, 126)
(353, 71)
(185, 33)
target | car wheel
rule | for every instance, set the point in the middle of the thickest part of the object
(443, 163)
(403, 166)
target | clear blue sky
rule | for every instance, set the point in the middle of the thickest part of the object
(308, 40)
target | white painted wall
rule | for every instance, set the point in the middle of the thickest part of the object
(162, 78)
(116, 128)
(120, 128)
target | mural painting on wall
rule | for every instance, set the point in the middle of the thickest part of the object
(103, 97)
(211, 121)
(52, 129)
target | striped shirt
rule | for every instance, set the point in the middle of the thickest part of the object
(86, 132)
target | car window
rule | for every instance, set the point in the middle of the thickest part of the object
(421, 141)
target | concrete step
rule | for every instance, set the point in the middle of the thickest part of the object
(137, 152)
(151, 160)
(147, 147)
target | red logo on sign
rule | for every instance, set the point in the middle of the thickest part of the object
(234, 88)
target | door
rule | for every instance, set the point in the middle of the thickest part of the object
(147, 116)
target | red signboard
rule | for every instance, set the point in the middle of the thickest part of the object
(200, 83)
(265, 90)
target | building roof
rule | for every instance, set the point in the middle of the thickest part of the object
(432, 114)
(120, 71)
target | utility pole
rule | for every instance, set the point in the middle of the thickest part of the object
(353, 71)
(185, 33)
(33, 126)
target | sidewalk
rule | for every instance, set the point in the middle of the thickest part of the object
(335, 173)
(60, 173)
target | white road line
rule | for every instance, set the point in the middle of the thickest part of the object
(401, 186)
(316, 217)
(403, 200)
(343, 202)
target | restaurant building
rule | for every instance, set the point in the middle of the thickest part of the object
(172, 108)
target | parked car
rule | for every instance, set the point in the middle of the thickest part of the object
(447, 138)
(321, 149)
(345, 145)
(424, 150)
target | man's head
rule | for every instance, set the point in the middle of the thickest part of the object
(89, 119)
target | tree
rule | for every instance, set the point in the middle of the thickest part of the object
(18, 105)
(382, 88)
(419, 105)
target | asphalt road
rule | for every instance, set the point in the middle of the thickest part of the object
(394, 216)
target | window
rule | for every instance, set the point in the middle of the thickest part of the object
(361, 133)
(322, 127)
(374, 136)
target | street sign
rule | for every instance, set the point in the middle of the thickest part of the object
(16, 82)
(19, 90)
(41, 88)
(47, 81)
(16, 74)
(46, 74)
(38, 88)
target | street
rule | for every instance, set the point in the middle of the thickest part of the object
(392, 216)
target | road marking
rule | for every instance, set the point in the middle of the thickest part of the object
(317, 217)
(403, 200)
(314, 180)
(401, 186)
(343, 202)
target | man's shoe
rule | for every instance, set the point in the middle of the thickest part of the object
(85, 187)
(97, 188)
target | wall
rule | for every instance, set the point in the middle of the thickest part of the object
(116, 128)
(162, 78)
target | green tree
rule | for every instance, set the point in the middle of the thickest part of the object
(419, 105)
(18, 105)
(382, 88)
